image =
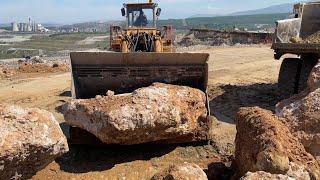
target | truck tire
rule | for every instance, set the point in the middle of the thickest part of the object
(289, 77)
(308, 62)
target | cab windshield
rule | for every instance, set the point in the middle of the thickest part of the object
(139, 17)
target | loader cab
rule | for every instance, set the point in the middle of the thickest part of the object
(298, 10)
(141, 15)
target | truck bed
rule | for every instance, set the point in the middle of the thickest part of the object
(296, 48)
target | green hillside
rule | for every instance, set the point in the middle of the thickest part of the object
(225, 22)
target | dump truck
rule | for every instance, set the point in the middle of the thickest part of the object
(140, 55)
(290, 38)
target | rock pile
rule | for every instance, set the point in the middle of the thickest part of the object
(264, 176)
(295, 172)
(28, 67)
(190, 40)
(29, 140)
(6, 72)
(36, 59)
(12, 69)
(215, 37)
(264, 143)
(285, 146)
(314, 79)
(301, 113)
(184, 171)
(2, 72)
(160, 112)
(313, 38)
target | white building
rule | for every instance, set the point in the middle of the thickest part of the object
(15, 27)
(31, 26)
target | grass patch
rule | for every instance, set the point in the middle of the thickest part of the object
(51, 44)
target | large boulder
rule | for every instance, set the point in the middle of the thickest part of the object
(264, 143)
(314, 78)
(160, 112)
(295, 172)
(302, 114)
(261, 175)
(36, 59)
(186, 171)
(29, 140)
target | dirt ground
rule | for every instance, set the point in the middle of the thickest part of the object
(239, 76)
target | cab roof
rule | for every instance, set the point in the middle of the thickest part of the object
(140, 5)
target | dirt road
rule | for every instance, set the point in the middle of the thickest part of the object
(242, 76)
(239, 76)
(92, 40)
(47, 91)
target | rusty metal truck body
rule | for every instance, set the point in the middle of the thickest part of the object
(294, 71)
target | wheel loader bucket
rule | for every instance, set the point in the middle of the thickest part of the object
(94, 73)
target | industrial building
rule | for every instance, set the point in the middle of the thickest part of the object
(31, 26)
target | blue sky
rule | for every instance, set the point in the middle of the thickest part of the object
(68, 11)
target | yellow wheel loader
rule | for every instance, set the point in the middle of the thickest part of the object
(140, 55)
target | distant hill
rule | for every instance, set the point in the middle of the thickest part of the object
(49, 24)
(5, 25)
(87, 26)
(281, 8)
(205, 15)
(44, 24)
(251, 22)
(275, 9)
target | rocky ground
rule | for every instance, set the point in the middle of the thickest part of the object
(239, 76)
